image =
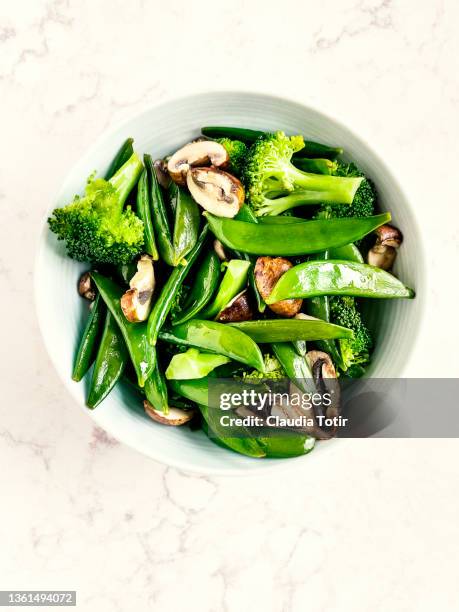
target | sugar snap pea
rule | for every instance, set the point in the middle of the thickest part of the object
(204, 286)
(125, 152)
(247, 214)
(169, 291)
(348, 252)
(316, 166)
(156, 388)
(186, 223)
(144, 212)
(216, 338)
(134, 334)
(110, 362)
(88, 343)
(292, 238)
(234, 279)
(335, 277)
(159, 217)
(296, 367)
(288, 330)
(311, 148)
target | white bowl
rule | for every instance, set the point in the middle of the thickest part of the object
(160, 130)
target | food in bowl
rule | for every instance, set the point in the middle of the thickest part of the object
(246, 291)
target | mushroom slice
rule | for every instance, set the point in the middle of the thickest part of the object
(198, 153)
(238, 309)
(382, 256)
(268, 270)
(220, 250)
(86, 287)
(160, 167)
(388, 235)
(218, 192)
(175, 416)
(136, 302)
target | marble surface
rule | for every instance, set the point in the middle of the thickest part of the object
(373, 526)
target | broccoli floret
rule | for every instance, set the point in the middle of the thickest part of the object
(272, 370)
(237, 152)
(95, 226)
(355, 352)
(364, 201)
(274, 184)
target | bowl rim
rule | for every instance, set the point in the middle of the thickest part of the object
(268, 465)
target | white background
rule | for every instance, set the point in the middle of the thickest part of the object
(373, 527)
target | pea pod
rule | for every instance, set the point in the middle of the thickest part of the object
(247, 214)
(110, 362)
(289, 330)
(144, 212)
(216, 338)
(134, 334)
(296, 367)
(156, 388)
(234, 280)
(159, 217)
(204, 286)
(319, 307)
(316, 166)
(186, 224)
(286, 444)
(348, 252)
(292, 238)
(311, 148)
(193, 364)
(332, 277)
(126, 151)
(87, 347)
(169, 291)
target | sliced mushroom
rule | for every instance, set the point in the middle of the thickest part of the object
(175, 416)
(86, 287)
(198, 153)
(218, 192)
(220, 250)
(383, 253)
(238, 309)
(161, 172)
(268, 270)
(326, 382)
(136, 302)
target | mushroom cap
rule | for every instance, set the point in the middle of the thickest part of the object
(267, 272)
(136, 301)
(238, 309)
(175, 416)
(218, 192)
(86, 287)
(388, 235)
(198, 153)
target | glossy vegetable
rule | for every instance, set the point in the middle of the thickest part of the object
(317, 166)
(110, 362)
(285, 330)
(330, 277)
(186, 224)
(296, 367)
(169, 292)
(319, 307)
(144, 212)
(159, 214)
(217, 338)
(193, 364)
(234, 280)
(134, 334)
(156, 388)
(204, 285)
(125, 152)
(88, 342)
(311, 148)
(292, 238)
(348, 252)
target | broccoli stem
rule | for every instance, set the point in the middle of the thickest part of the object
(126, 178)
(276, 206)
(339, 189)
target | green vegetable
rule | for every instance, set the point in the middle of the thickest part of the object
(144, 212)
(159, 216)
(110, 362)
(126, 151)
(95, 227)
(296, 367)
(272, 370)
(348, 252)
(88, 342)
(217, 338)
(134, 334)
(285, 330)
(204, 285)
(311, 149)
(186, 224)
(269, 173)
(317, 166)
(286, 444)
(319, 307)
(329, 277)
(354, 352)
(234, 279)
(193, 364)
(156, 388)
(169, 291)
(364, 201)
(292, 238)
(246, 214)
(237, 152)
